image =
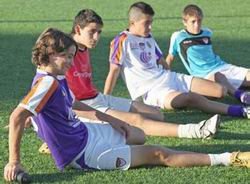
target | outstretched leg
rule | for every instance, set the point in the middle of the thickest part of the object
(177, 100)
(204, 129)
(157, 155)
(208, 88)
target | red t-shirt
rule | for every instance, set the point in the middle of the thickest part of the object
(79, 76)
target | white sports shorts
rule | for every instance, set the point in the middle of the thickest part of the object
(104, 102)
(106, 149)
(234, 74)
(171, 83)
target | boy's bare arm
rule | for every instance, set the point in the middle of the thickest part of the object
(83, 110)
(16, 126)
(114, 71)
(169, 60)
(88, 112)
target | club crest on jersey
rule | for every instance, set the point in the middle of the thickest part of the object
(120, 162)
(205, 40)
(145, 57)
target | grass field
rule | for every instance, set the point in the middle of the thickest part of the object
(22, 21)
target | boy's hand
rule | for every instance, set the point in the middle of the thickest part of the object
(11, 170)
(121, 127)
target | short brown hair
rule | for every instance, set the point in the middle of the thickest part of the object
(84, 17)
(192, 10)
(49, 42)
(140, 8)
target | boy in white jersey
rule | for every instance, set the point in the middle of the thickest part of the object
(137, 56)
(194, 47)
(85, 145)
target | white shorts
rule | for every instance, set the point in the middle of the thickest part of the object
(106, 149)
(234, 74)
(173, 82)
(104, 102)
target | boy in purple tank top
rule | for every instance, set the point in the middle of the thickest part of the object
(86, 145)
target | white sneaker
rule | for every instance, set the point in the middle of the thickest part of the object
(247, 112)
(208, 128)
(245, 98)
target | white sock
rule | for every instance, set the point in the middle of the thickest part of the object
(220, 159)
(188, 131)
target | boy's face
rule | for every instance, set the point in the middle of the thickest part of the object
(61, 62)
(143, 26)
(89, 35)
(193, 24)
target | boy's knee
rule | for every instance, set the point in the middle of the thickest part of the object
(189, 98)
(219, 76)
(141, 136)
(137, 136)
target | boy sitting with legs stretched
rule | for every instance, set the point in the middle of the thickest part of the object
(194, 47)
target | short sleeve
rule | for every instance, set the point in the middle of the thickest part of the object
(39, 94)
(118, 49)
(173, 44)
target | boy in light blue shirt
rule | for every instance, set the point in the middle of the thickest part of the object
(194, 47)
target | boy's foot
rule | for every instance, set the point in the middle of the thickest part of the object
(245, 98)
(241, 159)
(208, 128)
(44, 149)
(247, 112)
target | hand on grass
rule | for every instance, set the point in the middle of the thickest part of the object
(11, 170)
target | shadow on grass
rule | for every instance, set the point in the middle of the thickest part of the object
(66, 176)
(232, 136)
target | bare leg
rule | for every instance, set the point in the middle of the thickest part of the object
(177, 100)
(157, 155)
(221, 79)
(150, 127)
(204, 129)
(207, 88)
(147, 111)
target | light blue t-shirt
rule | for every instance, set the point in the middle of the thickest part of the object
(195, 51)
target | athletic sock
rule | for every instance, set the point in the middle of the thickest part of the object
(220, 159)
(236, 111)
(238, 93)
(188, 131)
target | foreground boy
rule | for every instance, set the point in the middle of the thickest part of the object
(85, 145)
(193, 45)
(135, 54)
(86, 32)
